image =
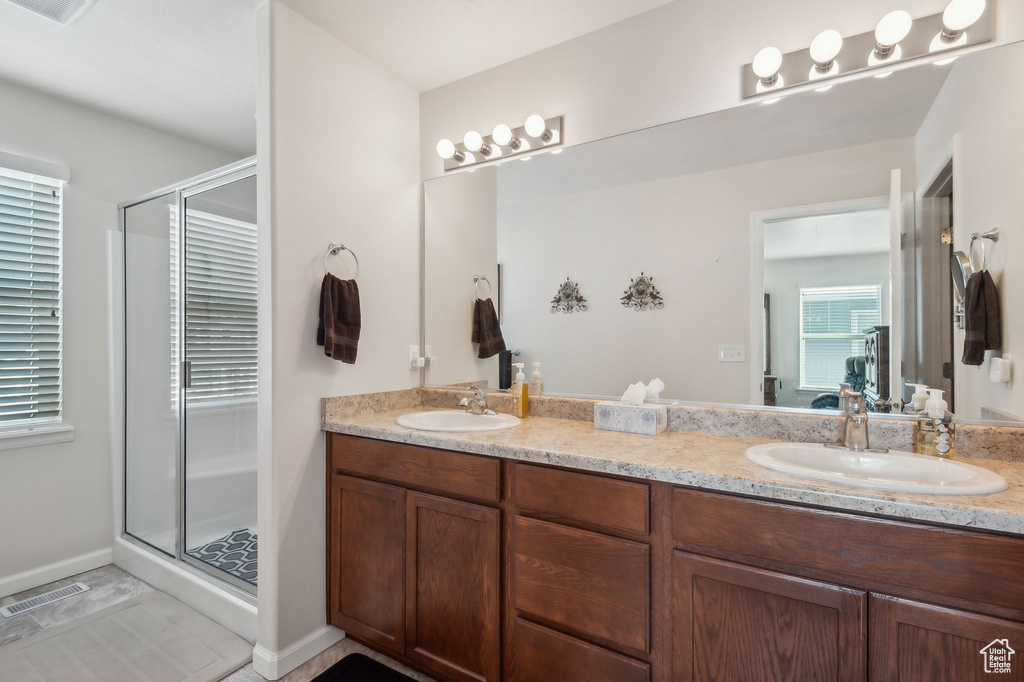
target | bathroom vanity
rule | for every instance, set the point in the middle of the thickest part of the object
(554, 552)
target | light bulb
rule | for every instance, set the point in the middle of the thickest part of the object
(896, 54)
(446, 150)
(960, 15)
(473, 141)
(536, 126)
(824, 48)
(766, 64)
(893, 28)
(502, 134)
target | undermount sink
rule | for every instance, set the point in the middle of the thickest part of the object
(452, 420)
(895, 470)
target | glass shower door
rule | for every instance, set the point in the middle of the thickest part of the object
(151, 366)
(219, 337)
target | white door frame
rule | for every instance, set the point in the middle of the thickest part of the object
(757, 224)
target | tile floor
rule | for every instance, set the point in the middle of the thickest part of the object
(110, 585)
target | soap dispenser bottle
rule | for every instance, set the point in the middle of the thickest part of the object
(918, 400)
(536, 382)
(520, 392)
(936, 435)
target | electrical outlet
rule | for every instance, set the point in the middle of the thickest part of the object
(415, 361)
(732, 354)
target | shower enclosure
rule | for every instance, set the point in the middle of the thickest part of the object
(190, 374)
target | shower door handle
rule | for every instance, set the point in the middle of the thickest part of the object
(186, 374)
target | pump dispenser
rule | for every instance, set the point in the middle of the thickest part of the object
(936, 435)
(520, 392)
(536, 382)
(918, 400)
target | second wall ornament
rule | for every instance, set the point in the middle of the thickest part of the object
(642, 294)
(568, 299)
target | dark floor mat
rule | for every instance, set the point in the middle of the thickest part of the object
(235, 553)
(360, 668)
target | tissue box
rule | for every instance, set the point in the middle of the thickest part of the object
(649, 420)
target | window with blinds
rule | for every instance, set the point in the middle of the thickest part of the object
(30, 299)
(832, 325)
(220, 308)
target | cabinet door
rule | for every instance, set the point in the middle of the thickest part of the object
(914, 642)
(742, 624)
(367, 568)
(453, 620)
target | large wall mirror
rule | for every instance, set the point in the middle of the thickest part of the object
(793, 246)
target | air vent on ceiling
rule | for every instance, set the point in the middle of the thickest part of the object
(62, 11)
(24, 605)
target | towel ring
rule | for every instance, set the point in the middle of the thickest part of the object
(991, 235)
(476, 285)
(334, 250)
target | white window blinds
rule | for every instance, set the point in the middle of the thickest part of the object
(30, 298)
(832, 325)
(220, 308)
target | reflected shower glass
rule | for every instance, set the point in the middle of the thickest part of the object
(151, 362)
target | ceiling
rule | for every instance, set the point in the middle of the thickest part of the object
(187, 67)
(428, 43)
(836, 234)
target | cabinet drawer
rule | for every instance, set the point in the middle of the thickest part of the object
(977, 567)
(583, 582)
(568, 496)
(543, 654)
(418, 467)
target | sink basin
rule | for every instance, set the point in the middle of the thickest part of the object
(452, 420)
(895, 470)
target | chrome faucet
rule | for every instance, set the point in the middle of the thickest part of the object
(853, 432)
(476, 404)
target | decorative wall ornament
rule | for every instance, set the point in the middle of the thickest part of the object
(642, 294)
(568, 299)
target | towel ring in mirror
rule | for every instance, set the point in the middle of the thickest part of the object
(334, 250)
(477, 279)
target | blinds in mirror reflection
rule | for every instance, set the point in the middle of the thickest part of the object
(832, 325)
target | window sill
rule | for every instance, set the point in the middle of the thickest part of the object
(29, 436)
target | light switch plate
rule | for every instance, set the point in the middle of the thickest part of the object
(732, 354)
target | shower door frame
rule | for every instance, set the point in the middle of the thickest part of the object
(219, 177)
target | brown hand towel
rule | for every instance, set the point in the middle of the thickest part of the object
(338, 331)
(983, 329)
(486, 331)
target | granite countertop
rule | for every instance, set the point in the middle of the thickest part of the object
(712, 462)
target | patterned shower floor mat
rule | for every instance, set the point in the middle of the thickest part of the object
(235, 553)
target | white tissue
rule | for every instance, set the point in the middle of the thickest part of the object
(654, 389)
(635, 394)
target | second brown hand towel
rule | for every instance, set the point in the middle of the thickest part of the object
(982, 325)
(340, 319)
(486, 330)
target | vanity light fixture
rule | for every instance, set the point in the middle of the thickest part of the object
(537, 134)
(897, 38)
(824, 49)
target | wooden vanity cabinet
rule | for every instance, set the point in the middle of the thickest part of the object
(473, 569)
(415, 574)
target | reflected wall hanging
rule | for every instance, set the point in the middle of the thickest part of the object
(568, 299)
(642, 294)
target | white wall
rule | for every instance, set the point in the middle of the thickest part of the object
(460, 217)
(982, 101)
(339, 147)
(783, 279)
(692, 234)
(57, 500)
(673, 62)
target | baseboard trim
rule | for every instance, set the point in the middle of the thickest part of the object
(274, 665)
(26, 580)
